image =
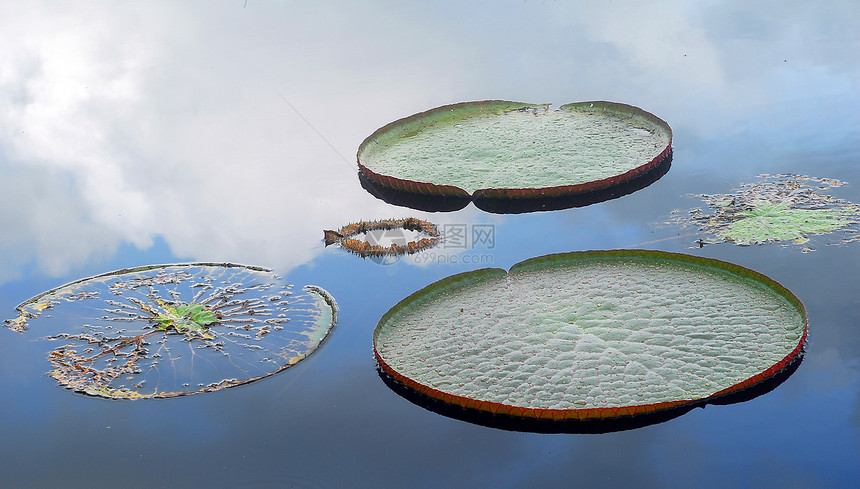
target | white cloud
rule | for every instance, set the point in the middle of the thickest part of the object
(229, 133)
(232, 131)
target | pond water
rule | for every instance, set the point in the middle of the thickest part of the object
(163, 133)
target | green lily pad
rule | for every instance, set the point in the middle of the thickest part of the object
(768, 221)
(497, 149)
(172, 330)
(777, 208)
(182, 317)
(592, 335)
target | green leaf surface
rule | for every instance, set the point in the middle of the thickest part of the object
(592, 334)
(769, 221)
(479, 147)
(783, 208)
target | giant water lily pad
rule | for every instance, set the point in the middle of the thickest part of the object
(498, 149)
(171, 330)
(592, 335)
(783, 208)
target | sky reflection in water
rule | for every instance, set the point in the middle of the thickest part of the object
(152, 133)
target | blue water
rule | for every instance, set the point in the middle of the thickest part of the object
(165, 133)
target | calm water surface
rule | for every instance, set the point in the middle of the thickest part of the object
(159, 133)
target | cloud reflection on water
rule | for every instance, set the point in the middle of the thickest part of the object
(232, 131)
(121, 123)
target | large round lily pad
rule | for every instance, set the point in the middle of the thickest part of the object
(592, 335)
(498, 149)
(171, 330)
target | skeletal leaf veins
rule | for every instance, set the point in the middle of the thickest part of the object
(171, 330)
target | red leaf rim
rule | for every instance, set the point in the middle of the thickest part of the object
(364, 249)
(584, 414)
(426, 188)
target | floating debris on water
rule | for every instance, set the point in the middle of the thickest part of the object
(345, 236)
(784, 208)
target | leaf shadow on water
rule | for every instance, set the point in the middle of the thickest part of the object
(595, 426)
(437, 203)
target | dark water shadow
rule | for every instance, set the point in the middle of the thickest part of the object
(436, 203)
(597, 426)
(428, 203)
(520, 206)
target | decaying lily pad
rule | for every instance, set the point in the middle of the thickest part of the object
(172, 330)
(778, 208)
(498, 149)
(592, 335)
(345, 236)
